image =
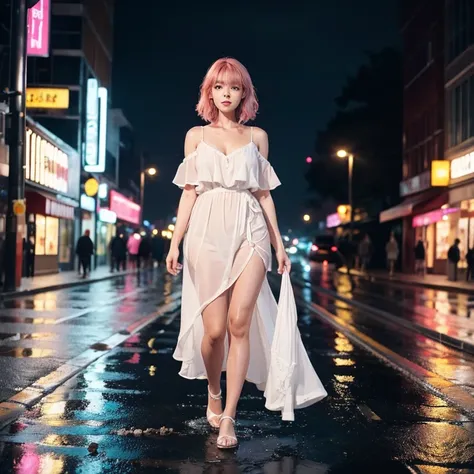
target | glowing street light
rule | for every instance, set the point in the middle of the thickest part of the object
(306, 217)
(151, 171)
(350, 163)
(171, 227)
(309, 159)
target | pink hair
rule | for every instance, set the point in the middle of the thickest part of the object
(234, 72)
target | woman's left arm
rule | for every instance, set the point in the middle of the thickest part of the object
(268, 206)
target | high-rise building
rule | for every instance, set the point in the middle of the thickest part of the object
(423, 132)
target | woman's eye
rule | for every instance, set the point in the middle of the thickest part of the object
(217, 87)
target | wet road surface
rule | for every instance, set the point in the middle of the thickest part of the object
(374, 420)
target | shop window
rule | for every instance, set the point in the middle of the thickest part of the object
(65, 240)
(52, 235)
(442, 240)
(47, 233)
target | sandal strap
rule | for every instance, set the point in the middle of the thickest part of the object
(215, 397)
(227, 417)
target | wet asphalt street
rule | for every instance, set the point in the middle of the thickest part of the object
(399, 401)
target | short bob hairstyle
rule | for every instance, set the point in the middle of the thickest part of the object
(231, 71)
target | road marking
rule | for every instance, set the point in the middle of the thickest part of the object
(368, 413)
(12, 408)
(99, 307)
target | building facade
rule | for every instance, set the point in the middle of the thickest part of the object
(425, 175)
(459, 88)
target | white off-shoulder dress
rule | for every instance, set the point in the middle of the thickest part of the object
(226, 228)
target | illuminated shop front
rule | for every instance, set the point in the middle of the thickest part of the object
(126, 210)
(51, 192)
(461, 195)
(105, 232)
(426, 215)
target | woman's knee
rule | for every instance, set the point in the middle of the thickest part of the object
(239, 323)
(215, 335)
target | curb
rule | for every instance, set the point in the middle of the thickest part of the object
(431, 286)
(61, 286)
(382, 315)
(12, 408)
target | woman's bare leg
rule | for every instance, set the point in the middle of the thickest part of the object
(214, 319)
(242, 304)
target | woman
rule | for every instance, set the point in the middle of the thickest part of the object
(228, 310)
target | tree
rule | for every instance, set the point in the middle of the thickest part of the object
(368, 122)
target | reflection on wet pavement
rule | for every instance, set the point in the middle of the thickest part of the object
(373, 421)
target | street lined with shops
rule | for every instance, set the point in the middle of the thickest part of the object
(380, 415)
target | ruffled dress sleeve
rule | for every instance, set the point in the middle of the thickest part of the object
(264, 177)
(187, 172)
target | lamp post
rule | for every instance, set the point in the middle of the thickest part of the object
(151, 171)
(350, 163)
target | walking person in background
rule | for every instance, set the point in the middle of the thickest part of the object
(144, 252)
(391, 250)
(365, 252)
(420, 258)
(133, 245)
(85, 250)
(454, 255)
(470, 264)
(118, 253)
(158, 248)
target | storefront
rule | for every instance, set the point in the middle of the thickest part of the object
(52, 171)
(105, 232)
(50, 229)
(425, 214)
(461, 195)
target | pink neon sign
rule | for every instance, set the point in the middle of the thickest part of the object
(125, 209)
(333, 220)
(38, 29)
(432, 217)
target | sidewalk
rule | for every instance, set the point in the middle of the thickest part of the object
(437, 282)
(58, 281)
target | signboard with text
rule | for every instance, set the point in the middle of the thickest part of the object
(124, 208)
(38, 29)
(47, 98)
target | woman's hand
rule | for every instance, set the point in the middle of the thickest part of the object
(284, 263)
(172, 264)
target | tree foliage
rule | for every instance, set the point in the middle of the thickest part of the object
(368, 122)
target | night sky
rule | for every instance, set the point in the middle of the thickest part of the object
(298, 56)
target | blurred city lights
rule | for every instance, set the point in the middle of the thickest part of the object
(155, 232)
(342, 153)
(306, 217)
(292, 250)
(295, 242)
(309, 159)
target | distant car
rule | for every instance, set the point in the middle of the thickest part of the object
(324, 249)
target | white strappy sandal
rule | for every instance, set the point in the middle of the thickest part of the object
(210, 415)
(222, 437)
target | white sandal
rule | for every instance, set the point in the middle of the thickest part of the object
(227, 446)
(210, 415)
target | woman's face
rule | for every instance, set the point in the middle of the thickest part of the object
(226, 95)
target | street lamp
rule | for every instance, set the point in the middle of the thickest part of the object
(306, 217)
(350, 162)
(151, 171)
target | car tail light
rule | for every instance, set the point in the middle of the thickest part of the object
(314, 248)
(333, 248)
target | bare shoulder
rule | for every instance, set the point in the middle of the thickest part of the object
(194, 133)
(260, 137)
(259, 133)
(193, 137)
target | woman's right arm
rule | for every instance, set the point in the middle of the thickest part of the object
(186, 204)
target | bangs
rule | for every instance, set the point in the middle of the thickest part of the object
(227, 74)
